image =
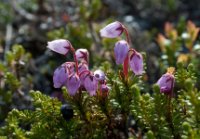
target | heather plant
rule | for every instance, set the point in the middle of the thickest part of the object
(15, 81)
(180, 45)
(112, 103)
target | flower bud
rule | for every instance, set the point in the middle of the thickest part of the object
(99, 75)
(112, 30)
(73, 83)
(60, 77)
(82, 54)
(121, 51)
(91, 84)
(136, 63)
(166, 82)
(60, 46)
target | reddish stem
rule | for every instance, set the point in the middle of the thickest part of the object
(125, 65)
(127, 35)
(75, 59)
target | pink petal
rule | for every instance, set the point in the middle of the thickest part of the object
(166, 83)
(91, 84)
(82, 54)
(60, 77)
(60, 46)
(121, 51)
(136, 63)
(73, 83)
(112, 30)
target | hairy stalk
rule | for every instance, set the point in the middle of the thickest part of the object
(125, 64)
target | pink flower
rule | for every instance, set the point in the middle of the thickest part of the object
(91, 84)
(82, 54)
(166, 82)
(112, 30)
(136, 63)
(60, 46)
(60, 77)
(99, 75)
(121, 51)
(73, 83)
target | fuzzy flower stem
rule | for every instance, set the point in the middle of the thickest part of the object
(127, 35)
(75, 59)
(125, 65)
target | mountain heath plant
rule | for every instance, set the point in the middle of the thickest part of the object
(111, 103)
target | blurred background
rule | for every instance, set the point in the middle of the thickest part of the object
(27, 25)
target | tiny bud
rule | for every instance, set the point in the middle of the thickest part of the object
(121, 51)
(82, 54)
(112, 30)
(60, 46)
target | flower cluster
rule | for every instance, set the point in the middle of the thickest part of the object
(124, 55)
(76, 75)
(122, 51)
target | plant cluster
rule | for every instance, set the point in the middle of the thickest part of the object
(15, 82)
(114, 104)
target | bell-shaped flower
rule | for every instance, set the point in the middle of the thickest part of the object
(60, 77)
(112, 30)
(73, 84)
(121, 51)
(136, 63)
(90, 84)
(82, 54)
(99, 75)
(166, 82)
(60, 46)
